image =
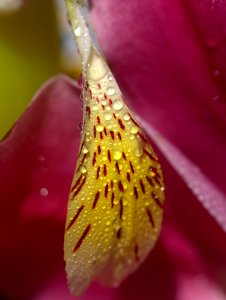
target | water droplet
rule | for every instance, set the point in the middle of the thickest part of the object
(216, 73)
(110, 78)
(107, 116)
(117, 154)
(134, 129)
(139, 152)
(131, 137)
(117, 105)
(108, 108)
(103, 102)
(94, 107)
(108, 223)
(44, 192)
(83, 170)
(100, 128)
(85, 150)
(126, 117)
(110, 91)
(78, 31)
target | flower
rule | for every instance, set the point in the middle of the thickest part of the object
(37, 159)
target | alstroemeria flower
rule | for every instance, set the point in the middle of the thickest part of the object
(165, 76)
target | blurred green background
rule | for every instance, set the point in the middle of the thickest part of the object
(29, 54)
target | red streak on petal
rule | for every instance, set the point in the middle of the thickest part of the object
(131, 167)
(124, 156)
(119, 136)
(121, 209)
(80, 187)
(98, 172)
(80, 241)
(77, 183)
(150, 217)
(112, 134)
(112, 199)
(106, 191)
(135, 192)
(109, 155)
(75, 217)
(128, 176)
(156, 199)
(142, 186)
(97, 196)
(120, 186)
(99, 149)
(105, 170)
(121, 124)
(117, 167)
(119, 233)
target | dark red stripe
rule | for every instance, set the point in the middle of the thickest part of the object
(132, 119)
(75, 217)
(94, 131)
(112, 184)
(112, 134)
(80, 241)
(121, 209)
(128, 176)
(88, 111)
(135, 192)
(112, 199)
(124, 156)
(97, 196)
(98, 119)
(121, 124)
(142, 137)
(149, 181)
(105, 170)
(101, 135)
(117, 168)
(156, 199)
(106, 191)
(151, 156)
(109, 155)
(80, 187)
(98, 172)
(99, 149)
(131, 167)
(142, 186)
(119, 233)
(77, 182)
(150, 217)
(105, 131)
(119, 136)
(120, 186)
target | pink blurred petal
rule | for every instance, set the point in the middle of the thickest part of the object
(39, 153)
(161, 55)
(206, 192)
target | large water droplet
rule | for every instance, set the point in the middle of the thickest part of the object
(44, 192)
(100, 128)
(110, 91)
(94, 107)
(139, 152)
(78, 31)
(117, 105)
(117, 154)
(126, 117)
(85, 150)
(134, 129)
(107, 116)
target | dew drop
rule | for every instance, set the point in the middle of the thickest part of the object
(100, 128)
(126, 117)
(110, 78)
(139, 152)
(78, 31)
(83, 170)
(85, 150)
(44, 192)
(107, 116)
(94, 107)
(108, 223)
(110, 91)
(117, 154)
(117, 105)
(134, 129)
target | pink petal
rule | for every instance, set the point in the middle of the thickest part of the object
(207, 193)
(37, 156)
(169, 60)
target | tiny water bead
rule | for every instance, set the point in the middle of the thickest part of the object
(110, 91)
(83, 170)
(78, 31)
(85, 150)
(139, 152)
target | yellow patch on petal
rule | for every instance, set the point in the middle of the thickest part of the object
(115, 205)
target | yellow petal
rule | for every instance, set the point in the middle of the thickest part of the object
(115, 205)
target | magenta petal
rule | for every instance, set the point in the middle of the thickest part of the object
(207, 193)
(37, 164)
(169, 58)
